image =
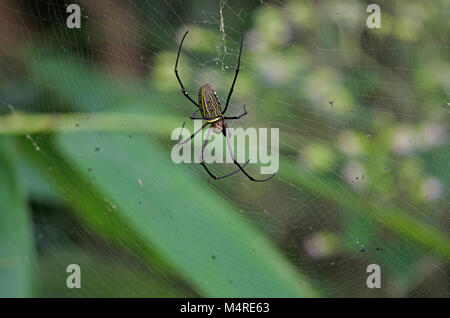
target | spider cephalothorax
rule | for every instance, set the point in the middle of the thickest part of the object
(218, 126)
(211, 111)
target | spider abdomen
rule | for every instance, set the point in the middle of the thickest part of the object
(209, 103)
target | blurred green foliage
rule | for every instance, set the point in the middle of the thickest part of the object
(87, 178)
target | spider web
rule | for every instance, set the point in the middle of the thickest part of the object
(360, 111)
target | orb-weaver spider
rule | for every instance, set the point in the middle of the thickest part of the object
(210, 108)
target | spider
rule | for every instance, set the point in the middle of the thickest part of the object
(211, 111)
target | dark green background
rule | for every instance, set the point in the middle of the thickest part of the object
(86, 175)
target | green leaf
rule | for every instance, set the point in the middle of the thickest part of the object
(130, 191)
(16, 242)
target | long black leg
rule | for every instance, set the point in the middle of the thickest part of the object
(235, 76)
(206, 168)
(238, 116)
(226, 134)
(221, 177)
(250, 177)
(176, 72)
(192, 136)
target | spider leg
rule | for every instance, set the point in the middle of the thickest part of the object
(192, 136)
(176, 72)
(192, 115)
(237, 163)
(221, 177)
(238, 116)
(206, 168)
(235, 75)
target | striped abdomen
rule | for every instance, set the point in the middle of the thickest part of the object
(209, 103)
